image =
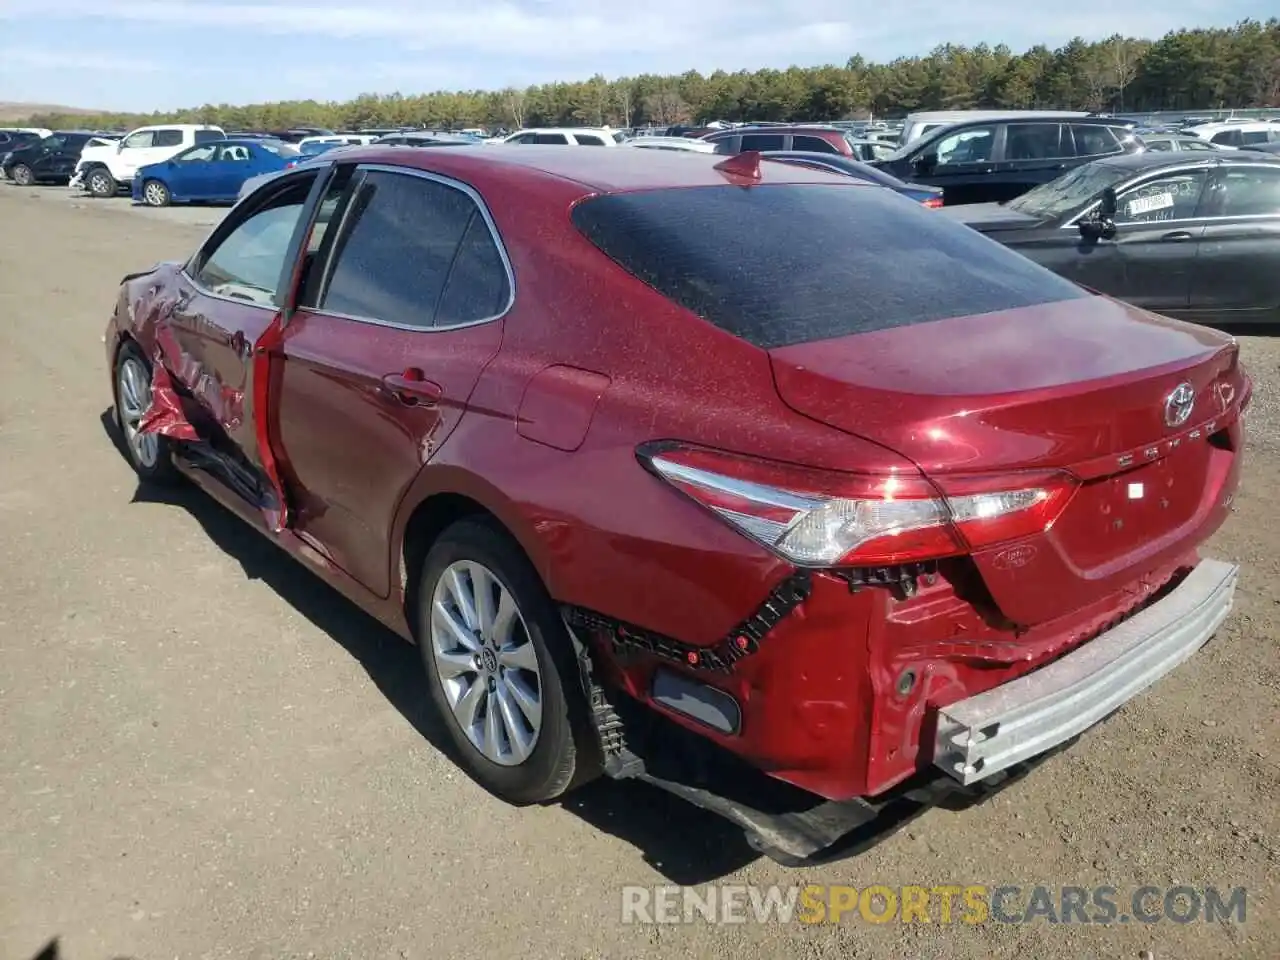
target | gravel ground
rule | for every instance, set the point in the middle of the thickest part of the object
(207, 753)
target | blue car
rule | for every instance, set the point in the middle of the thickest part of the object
(210, 172)
(837, 163)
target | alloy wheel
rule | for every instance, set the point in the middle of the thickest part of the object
(22, 175)
(98, 184)
(154, 194)
(486, 663)
(133, 392)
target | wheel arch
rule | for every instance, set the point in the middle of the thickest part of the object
(440, 496)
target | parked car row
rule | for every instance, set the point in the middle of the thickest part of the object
(880, 509)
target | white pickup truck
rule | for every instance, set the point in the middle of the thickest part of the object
(106, 170)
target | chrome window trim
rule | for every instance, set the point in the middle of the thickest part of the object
(494, 236)
(1208, 165)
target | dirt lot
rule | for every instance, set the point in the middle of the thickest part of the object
(206, 753)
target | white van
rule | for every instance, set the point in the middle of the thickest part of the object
(918, 124)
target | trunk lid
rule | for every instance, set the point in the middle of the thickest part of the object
(989, 217)
(1081, 386)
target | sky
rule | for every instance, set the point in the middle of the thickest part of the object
(165, 54)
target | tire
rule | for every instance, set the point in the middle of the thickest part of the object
(22, 175)
(156, 194)
(486, 674)
(148, 454)
(101, 183)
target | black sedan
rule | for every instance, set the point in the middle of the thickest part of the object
(1191, 235)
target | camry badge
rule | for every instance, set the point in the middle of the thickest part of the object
(1178, 405)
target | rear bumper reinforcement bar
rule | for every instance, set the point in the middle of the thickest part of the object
(987, 733)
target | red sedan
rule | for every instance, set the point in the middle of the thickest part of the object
(822, 481)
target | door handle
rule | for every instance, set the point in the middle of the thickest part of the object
(1177, 236)
(412, 388)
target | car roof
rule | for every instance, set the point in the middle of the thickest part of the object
(1145, 161)
(603, 171)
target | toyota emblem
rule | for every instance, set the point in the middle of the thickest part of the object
(1178, 405)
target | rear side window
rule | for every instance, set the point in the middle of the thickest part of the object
(586, 140)
(1253, 136)
(398, 243)
(763, 141)
(791, 263)
(1094, 140)
(1034, 141)
(812, 144)
(204, 136)
(1246, 192)
(477, 288)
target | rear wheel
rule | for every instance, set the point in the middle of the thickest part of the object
(501, 668)
(23, 176)
(156, 194)
(148, 453)
(101, 183)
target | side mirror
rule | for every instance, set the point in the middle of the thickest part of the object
(924, 164)
(1097, 227)
(1107, 209)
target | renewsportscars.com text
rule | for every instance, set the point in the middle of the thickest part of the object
(970, 904)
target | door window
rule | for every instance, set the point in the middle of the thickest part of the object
(398, 242)
(1163, 146)
(586, 140)
(1171, 197)
(555, 138)
(1245, 192)
(197, 155)
(140, 140)
(1253, 136)
(973, 145)
(234, 153)
(1230, 138)
(1034, 141)
(763, 141)
(1094, 140)
(204, 136)
(812, 144)
(1196, 144)
(168, 138)
(247, 263)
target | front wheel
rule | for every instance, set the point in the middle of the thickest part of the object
(22, 175)
(156, 194)
(101, 183)
(501, 668)
(148, 453)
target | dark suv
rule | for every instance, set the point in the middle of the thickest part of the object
(51, 160)
(13, 139)
(980, 161)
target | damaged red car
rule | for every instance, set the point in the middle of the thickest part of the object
(705, 471)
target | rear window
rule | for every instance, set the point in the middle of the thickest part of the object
(784, 264)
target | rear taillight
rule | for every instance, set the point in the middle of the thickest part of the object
(819, 519)
(933, 203)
